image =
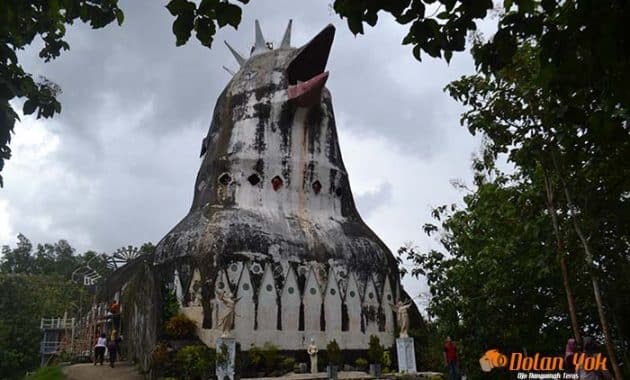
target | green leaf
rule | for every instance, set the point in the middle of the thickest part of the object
(228, 14)
(178, 7)
(120, 16)
(29, 106)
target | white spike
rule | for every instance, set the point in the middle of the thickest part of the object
(239, 58)
(229, 71)
(260, 46)
(286, 40)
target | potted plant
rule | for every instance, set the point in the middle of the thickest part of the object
(334, 359)
(375, 356)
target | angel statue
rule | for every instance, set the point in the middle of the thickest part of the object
(227, 321)
(403, 317)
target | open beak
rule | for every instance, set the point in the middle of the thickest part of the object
(306, 72)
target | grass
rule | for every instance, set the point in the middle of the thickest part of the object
(47, 373)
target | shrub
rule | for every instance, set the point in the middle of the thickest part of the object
(180, 327)
(361, 363)
(375, 350)
(160, 356)
(287, 364)
(265, 359)
(195, 362)
(333, 352)
(271, 356)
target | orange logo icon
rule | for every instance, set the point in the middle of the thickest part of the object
(492, 359)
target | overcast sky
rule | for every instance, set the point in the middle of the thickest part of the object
(118, 166)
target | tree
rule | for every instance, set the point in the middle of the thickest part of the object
(493, 283)
(579, 152)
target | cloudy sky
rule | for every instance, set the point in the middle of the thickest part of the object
(117, 167)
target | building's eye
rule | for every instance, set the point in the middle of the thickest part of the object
(338, 191)
(317, 187)
(277, 183)
(225, 179)
(254, 179)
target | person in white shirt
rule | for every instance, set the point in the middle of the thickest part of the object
(99, 349)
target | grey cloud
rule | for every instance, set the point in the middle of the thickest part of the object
(368, 202)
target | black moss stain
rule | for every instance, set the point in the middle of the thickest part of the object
(313, 126)
(285, 122)
(262, 111)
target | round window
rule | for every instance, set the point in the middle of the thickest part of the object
(371, 295)
(313, 291)
(291, 290)
(269, 287)
(245, 286)
(352, 293)
(234, 267)
(221, 285)
(333, 291)
(389, 297)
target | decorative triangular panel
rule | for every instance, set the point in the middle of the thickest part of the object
(332, 304)
(353, 304)
(290, 301)
(387, 299)
(245, 307)
(267, 302)
(370, 307)
(234, 272)
(312, 303)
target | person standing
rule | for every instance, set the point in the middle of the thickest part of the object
(99, 349)
(569, 353)
(112, 347)
(450, 357)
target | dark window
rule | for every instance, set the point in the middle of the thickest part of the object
(254, 179)
(317, 187)
(277, 183)
(225, 179)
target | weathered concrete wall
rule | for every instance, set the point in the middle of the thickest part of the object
(141, 308)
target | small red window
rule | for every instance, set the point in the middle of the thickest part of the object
(277, 183)
(317, 187)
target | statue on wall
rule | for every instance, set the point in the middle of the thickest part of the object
(226, 324)
(312, 353)
(403, 317)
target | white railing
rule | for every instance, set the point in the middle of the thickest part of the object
(49, 347)
(56, 323)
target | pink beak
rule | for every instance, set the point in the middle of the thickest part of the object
(308, 93)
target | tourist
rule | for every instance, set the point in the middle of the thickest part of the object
(590, 349)
(569, 352)
(99, 349)
(115, 310)
(112, 347)
(450, 357)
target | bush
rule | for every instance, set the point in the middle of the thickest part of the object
(195, 362)
(361, 363)
(375, 350)
(47, 373)
(265, 359)
(287, 364)
(180, 327)
(333, 353)
(160, 356)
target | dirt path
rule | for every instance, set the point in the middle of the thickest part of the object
(122, 371)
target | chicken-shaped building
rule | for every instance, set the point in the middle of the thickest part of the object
(273, 223)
